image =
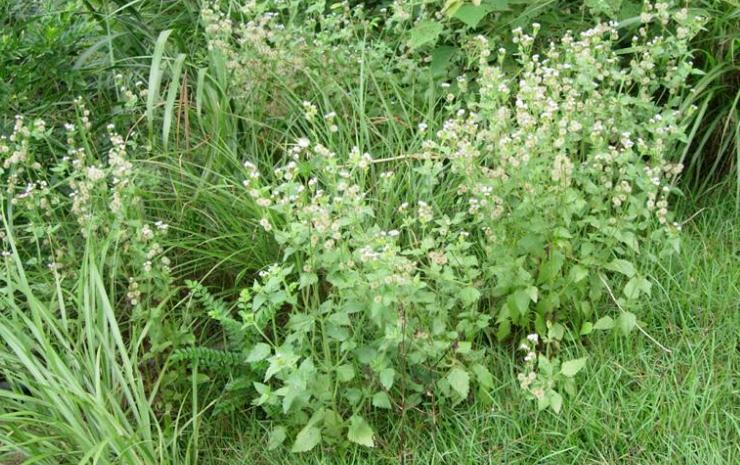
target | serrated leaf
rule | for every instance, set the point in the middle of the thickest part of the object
(259, 352)
(381, 400)
(604, 323)
(425, 32)
(572, 367)
(469, 295)
(459, 380)
(307, 439)
(626, 322)
(277, 437)
(622, 266)
(386, 377)
(360, 432)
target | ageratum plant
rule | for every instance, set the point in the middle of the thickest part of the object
(523, 214)
(60, 195)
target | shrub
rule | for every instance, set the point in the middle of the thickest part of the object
(523, 213)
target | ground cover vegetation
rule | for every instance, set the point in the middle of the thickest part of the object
(417, 231)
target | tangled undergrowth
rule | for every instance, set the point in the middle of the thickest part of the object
(336, 217)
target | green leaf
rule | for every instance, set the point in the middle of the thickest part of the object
(471, 15)
(635, 286)
(170, 102)
(556, 331)
(469, 295)
(381, 400)
(259, 352)
(550, 269)
(497, 5)
(277, 437)
(572, 367)
(626, 322)
(556, 401)
(386, 377)
(483, 376)
(441, 57)
(464, 347)
(307, 439)
(604, 323)
(451, 6)
(155, 77)
(425, 32)
(360, 432)
(459, 381)
(586, 328)
(307, 279)
(519, 301)
(345, 373)
(622, 266)
(578, 273)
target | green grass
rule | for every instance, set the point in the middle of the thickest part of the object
(636, 403)
(93, 397)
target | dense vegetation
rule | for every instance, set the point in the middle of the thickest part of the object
(419, 231)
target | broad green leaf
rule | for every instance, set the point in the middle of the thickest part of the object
(425, 32)
(572, 367)
(301, 322)
(519, 301)
(307, 279)
(451, 6)
(345, 373)
(469, 295)
(483, 376)
(586, 328)
(441, 57)
(307, 439)
(259, 352)
(604, 323)
(471, 15)
(497, 5)
(551, 267)
(578, 273)
(464, 347)
(556, 401)
(622, 266)
(556, 331)
(386, 377)
(636, 286)
(360, 432)
(626, 322)
(277, 437)
(381, 400)
(459, 381)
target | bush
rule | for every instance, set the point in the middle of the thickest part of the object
(523, 213)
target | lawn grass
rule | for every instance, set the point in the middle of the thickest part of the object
(636, 404)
